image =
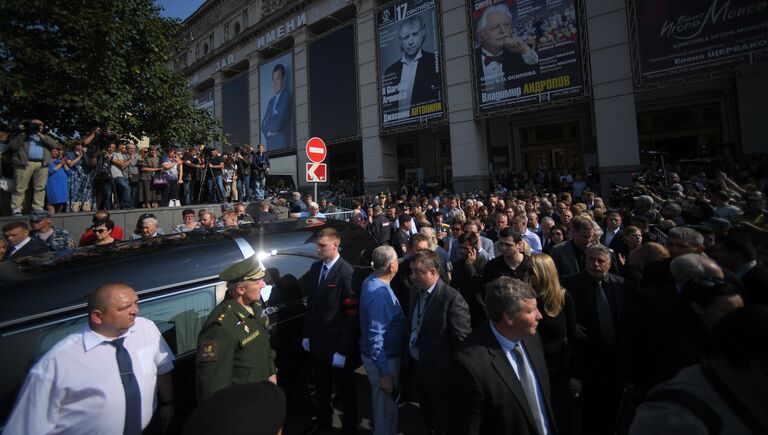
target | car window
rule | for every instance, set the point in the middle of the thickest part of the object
(179, 317)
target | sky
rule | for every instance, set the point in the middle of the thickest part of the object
(179, 8)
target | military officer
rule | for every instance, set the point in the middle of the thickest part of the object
(233, 345)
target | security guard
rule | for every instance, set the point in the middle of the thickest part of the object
(382, 228)
(233, 345)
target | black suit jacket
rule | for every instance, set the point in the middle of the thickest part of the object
(617, 243)
(426, 83)
(444, 325)
(755, 285)
(511, 63)
(331, 323)
(33, 247)
(484, 392)
(620, 295)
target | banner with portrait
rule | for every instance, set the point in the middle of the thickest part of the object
(693, 36)
(276, 103)
(410, 63)
(525, 52)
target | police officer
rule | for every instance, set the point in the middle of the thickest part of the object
(233, 345)
(381, 226)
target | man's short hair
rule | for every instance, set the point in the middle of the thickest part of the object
(427, 259)
(468, 237)
(417, 20)
(706, 291)
(151, 220)
(10, 226)
(687, 235)
(417, 238)
(279, 67)
(517, 237)
(107, 223)
(504, 295)
(187, 212)
(597, 247)
(330, 233)
(495, 9)
(383, 256)
(546, 220)
(579, 223)
(691, 266)
(100, 298)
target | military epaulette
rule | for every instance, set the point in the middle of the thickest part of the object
(223, 315)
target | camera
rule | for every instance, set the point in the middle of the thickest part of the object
(101, 140)
(208, 152)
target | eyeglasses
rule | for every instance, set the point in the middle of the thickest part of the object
(456, 228)
(100, 230)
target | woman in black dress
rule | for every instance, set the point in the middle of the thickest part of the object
(557, 329)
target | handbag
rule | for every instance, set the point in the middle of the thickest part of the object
(159, 180)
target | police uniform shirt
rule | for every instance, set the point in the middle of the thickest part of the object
(233, 348)
(76, 388)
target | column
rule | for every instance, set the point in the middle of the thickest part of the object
(379, 152)
(613, 92)
(253, 98)
(301, 102)
(469, 153)
(218, 103)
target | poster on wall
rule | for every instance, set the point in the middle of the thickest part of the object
(276, 103)
(409, 63)
(525, 52)
(692, 36)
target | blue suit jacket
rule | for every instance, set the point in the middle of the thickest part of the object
(278, 120)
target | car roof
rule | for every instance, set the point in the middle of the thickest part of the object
(49, 283)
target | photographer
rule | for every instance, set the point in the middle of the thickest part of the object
(30, 155)
(190, 175)
(244, 159)
(215, 180)
(260, 171)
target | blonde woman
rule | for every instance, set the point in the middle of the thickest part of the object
(557, 329)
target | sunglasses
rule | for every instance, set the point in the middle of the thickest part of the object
(100, 230)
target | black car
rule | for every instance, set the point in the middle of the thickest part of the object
(176, 278)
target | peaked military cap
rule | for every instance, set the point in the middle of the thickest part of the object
(244, 270)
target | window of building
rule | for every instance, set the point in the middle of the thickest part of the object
(205, 48)
(237, 28)
(244, 18)
(226, 31)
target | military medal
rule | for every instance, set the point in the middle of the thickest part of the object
(247, 330)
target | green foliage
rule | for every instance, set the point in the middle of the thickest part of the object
(82, 63)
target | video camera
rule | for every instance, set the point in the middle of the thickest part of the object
(207, 152)
(101, 140)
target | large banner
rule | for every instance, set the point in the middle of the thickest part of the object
(525, 52)
(333, 110)
(409, 63)
(276, 103)
(687, 36)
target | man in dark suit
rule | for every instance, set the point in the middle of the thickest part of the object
(613, 236)
(330, 331)
(740, 257)
(603, 302)
(501, 53)
(438, 320)
(422, 85)
(276, 125)
(569, 255)
(19, 243)
(498, 382)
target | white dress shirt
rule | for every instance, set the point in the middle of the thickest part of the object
(407, 80)
(76, 389)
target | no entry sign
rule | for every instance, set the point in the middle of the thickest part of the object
(316, 150)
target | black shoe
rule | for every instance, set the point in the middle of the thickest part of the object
(315, 427)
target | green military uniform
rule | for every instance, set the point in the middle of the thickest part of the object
(233, 345)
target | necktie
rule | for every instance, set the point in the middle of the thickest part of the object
(323, 274)
(490, 59)
(130, 388)
(607, 329)
(526, 381)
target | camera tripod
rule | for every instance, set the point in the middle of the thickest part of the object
(217, 197)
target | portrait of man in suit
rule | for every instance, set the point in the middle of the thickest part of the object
(498, 381)
(416, 75)
(501, 53)
(276, 124)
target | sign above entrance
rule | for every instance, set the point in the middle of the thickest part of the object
(316, 150)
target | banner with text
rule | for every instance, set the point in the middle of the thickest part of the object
(688, 36)
(409, 63)
(525, 52)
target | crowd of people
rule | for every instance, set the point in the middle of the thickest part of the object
(102, 172)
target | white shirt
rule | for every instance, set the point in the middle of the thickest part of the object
(407, 79)
(609, 235)
(75, 388)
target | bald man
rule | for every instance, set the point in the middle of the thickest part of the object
(101, 379)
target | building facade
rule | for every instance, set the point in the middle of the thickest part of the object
(454, 91)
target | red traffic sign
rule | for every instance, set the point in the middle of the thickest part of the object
(317, 172)
(316, 150)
